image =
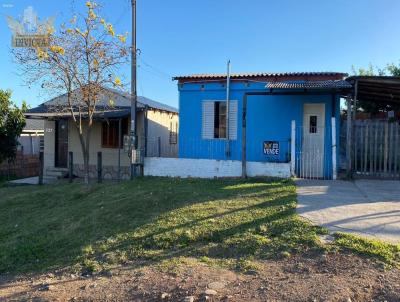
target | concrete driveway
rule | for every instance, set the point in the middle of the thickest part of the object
(366, 207)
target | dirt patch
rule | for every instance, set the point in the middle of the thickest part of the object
(331, 277)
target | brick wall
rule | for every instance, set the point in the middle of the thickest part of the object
(22, 166)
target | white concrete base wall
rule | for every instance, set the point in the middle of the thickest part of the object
(209, 168)
(281, 170)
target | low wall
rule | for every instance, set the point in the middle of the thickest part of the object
(209, 168)
(108, 172)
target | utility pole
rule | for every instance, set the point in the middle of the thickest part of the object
(134, 142)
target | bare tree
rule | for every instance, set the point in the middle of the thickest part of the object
(82, 61)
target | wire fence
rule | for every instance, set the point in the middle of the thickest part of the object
(160, 147)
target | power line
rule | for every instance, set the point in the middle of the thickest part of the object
(155, 69)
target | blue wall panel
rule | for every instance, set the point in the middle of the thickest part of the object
(268, 119)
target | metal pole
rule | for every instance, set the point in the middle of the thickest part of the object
(228, 80)
(99, 167)
(133, 91)
(293, 149)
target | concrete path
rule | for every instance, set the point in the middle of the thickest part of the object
(366, 207)
(25, 181)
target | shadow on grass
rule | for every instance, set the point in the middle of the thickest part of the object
(150, 219)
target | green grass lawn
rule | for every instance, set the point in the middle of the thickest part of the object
(154, 220)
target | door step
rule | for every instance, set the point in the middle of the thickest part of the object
(56, 173)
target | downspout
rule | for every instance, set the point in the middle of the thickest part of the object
(228, 82)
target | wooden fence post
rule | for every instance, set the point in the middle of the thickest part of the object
(348, 139)
(293, 150)
(334, 153)
(71, 166)
(99, 167)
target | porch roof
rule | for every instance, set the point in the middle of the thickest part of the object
(377, 89)
(328, 84)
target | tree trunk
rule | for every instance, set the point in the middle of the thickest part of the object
(86, 167)
(86, 154)
(85, 143)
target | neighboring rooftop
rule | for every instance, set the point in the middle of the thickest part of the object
(273, 77)
(121, 105)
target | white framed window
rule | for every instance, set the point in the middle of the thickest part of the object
(214, 119)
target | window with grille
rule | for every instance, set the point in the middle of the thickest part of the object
(110, 133)
(214, 117)
(313, 124)
(173, 133)
(219, 119)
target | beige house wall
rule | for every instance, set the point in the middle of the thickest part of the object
(159, 123)
(158, 126)
(109, 155)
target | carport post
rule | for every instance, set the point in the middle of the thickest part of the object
(334, 164)
(348, 138)
(293, 149)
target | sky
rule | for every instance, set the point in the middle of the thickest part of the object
(179, 37)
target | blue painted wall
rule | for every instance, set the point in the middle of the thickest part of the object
(268, 118)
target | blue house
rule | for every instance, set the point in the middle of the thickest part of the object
(269, 117)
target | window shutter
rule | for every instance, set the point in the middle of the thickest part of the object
(208, 120)
(233, 113)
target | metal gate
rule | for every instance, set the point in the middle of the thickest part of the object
(376, 151)
(313, 153)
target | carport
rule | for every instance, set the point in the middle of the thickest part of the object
(373, 147)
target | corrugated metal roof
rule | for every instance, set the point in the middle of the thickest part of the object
(377, 89)
(100, 114)
(329, 84)
(120, 99)
(258, 75)
(33, 124)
